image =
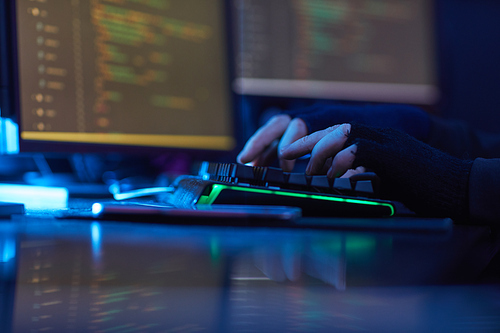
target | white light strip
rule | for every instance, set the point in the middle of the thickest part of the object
(250, 278)
(372, 92)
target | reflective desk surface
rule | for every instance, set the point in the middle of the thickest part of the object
(71, 275)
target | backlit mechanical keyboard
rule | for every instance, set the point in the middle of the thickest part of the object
(219, 183)
(360, 185)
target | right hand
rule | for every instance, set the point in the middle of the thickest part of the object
(328, 151)
(264, 146)
(425, 179)
(283, 129)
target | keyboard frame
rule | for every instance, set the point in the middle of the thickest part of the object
(196, 191)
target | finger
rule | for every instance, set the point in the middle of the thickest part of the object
(352, 172)
(342, 162)
(327, 147)
(268, 156)
(256, 145)
(306, 144)
(295, 130)
(326, 167)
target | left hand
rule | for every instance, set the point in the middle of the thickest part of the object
(327, 152)
(263, 147)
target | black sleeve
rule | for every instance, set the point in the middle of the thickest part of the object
(454, 137)
(406, 118)
(457, 138)
(427, 180)
(484, 190)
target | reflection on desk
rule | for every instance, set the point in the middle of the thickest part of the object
(79, 276)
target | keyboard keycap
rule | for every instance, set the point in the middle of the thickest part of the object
(298, 179)
(321, 182)
(244, 172)
(364, 186)
(274, 176)
(342, 184)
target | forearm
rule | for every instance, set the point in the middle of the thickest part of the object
(484, 191)
(457, 138)
(406, 118)
(426, 180)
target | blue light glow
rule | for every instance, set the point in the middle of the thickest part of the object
(35, 197)
(8, 248)
(96, 235)
(9, 142)
(96, 208)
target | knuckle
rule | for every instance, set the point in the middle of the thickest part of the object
(298, 123)
(279, 118)
(304, 140)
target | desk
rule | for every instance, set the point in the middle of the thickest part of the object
(60, 275)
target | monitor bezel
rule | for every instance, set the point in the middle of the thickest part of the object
(7, 93)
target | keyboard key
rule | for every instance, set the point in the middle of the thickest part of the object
(274, 176)
(298, 179)
(342, 184)
(241, 171)
(321, 182)
(364, 186)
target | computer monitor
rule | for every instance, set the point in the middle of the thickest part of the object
(365, 50)
(105, 75)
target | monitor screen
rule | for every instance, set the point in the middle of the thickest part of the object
(365, 50)
(123, 74)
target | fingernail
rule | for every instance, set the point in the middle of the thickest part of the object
(329, 174)
(332, 174)
(308, 169)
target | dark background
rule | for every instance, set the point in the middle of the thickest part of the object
(469, 35)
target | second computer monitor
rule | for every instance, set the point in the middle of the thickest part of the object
(364, 50)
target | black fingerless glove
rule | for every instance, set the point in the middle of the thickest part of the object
(406, 118)
(426, 180)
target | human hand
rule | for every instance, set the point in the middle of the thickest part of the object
(262, 148)
(427, 180)
(328, 154)
(283, 129)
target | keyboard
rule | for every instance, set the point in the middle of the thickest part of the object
(231, 183)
